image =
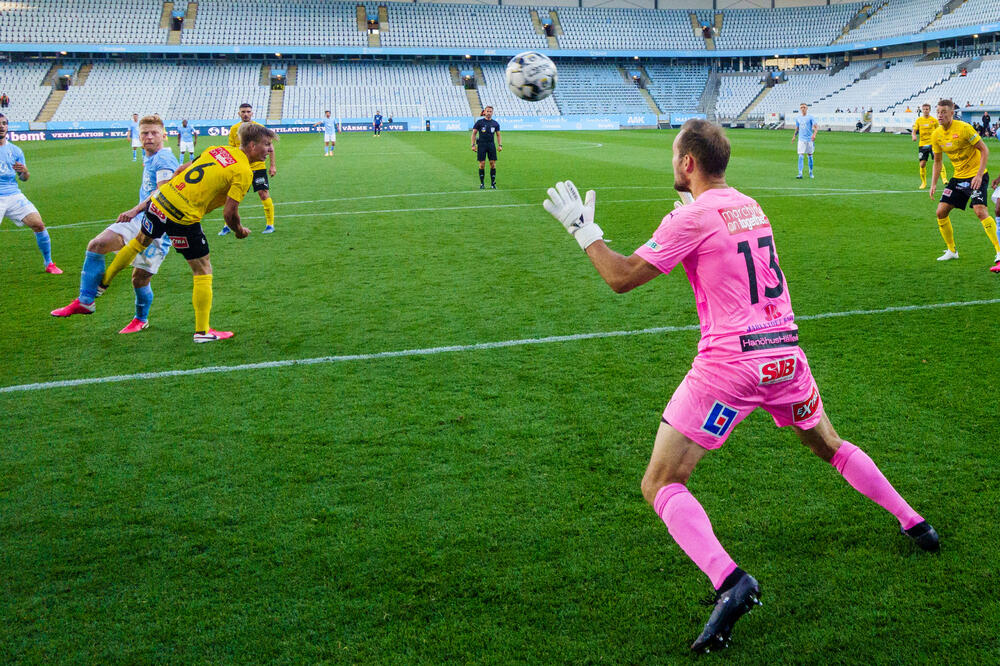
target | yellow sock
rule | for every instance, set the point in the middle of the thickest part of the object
(990, 225)
(923, 177)
(121, 260)
(947, 233)
(268, 211)
(202, 300)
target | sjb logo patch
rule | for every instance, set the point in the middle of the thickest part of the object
(720, 419)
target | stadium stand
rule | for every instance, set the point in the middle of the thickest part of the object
(677, 88)
(358, 89)
(603, 28)
(736, 91)
(970, 12)
(265, 22)
(23, 83)
(596, 88)
(208, 91)
(895, 17)
(981, 87)
(809, 88)
(457, 26)
(902, 79)
(774, 28)
(82, 21)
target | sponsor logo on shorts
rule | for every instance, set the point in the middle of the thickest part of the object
(179, 242)
(744, 218)
(147, 225)
(222, 156)
(803, 411)
(719, 420)
(947, 192)
(777, 371)
(755, 341)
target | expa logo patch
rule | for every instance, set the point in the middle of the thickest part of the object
(802, 411)
(720, 419)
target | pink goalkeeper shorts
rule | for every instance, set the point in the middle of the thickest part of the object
(715, 395)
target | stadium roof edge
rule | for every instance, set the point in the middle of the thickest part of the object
(291, 50)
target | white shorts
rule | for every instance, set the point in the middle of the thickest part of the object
(154, 255)
(330, 138)
(187, 147)
(16, 207)
(137, 143)
(996, 195)
(806, 147)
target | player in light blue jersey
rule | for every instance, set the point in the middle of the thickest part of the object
(15, 205)
(133, 135)
(805, 129)
(159, 166)
(187, 137)
(329, 134)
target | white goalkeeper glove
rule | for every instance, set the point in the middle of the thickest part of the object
(686, 199)
(576, 215)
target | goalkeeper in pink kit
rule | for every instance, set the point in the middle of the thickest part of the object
(748, 357)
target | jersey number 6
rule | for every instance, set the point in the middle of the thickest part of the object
(195, 174)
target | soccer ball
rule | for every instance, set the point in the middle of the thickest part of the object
(531, 76)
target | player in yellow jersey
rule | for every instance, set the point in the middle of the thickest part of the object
(261, 185)
(221, 176)
(968, 154)
(923, 127)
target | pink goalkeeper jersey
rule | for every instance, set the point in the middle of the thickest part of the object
(724, 242)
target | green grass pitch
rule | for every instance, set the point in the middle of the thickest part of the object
(482, 505)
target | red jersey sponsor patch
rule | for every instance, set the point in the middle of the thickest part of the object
(777, 371)
(222, 156)
(744, 218)
(803, 411)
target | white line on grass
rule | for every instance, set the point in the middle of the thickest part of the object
(817, 192)
(429, 351)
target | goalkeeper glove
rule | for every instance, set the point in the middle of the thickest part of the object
(577, 216)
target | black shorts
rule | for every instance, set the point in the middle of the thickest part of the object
(959, 192)
(260, 181)
(188, 239)
(925, 154)
(486, 152)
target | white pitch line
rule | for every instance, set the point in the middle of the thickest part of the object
(435, 209)
(821, 191)
(429, 351)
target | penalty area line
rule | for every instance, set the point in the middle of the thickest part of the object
(430, 351)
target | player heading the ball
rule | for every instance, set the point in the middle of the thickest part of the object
(221, 176)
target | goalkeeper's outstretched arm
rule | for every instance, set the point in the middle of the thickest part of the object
(577, 216)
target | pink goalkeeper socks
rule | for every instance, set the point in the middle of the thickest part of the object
(688, 524)
(865, 477)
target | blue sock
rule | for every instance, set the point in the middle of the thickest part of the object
(90, 276)
(810, 164)
(143, 301)
(45, 245)
(800, 164)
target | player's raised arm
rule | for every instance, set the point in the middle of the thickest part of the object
(620, 272)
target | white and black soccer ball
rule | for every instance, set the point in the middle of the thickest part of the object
(531, 76)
